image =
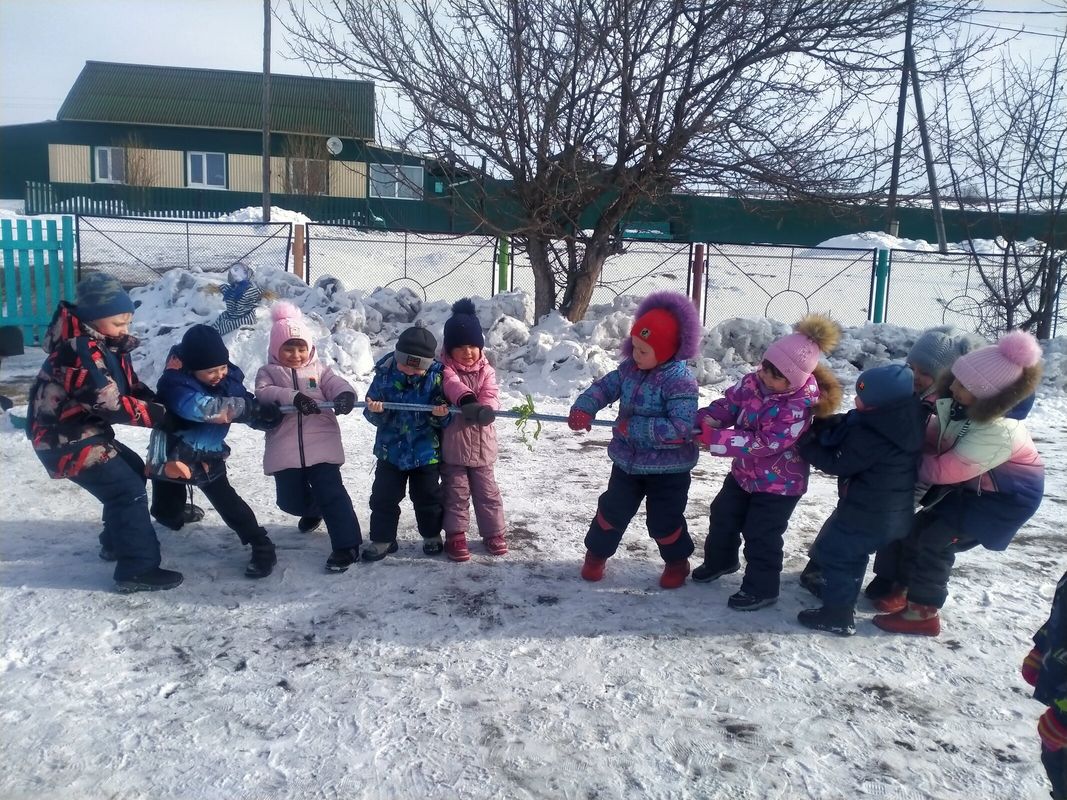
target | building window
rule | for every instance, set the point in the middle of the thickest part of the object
(207, 170)
(391, 180)
(307, 176)
(110, 165)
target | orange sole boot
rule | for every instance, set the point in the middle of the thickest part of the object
(593, 568)
(916, 619)
(456, 547)
(674, 574)
(895, 601)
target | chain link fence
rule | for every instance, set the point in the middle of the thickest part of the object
(434, 266)
(947, 288)
(137, 251)
(785, 283)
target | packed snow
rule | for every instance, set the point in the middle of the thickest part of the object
(501, 677)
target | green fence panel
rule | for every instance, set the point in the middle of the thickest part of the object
(38, 271)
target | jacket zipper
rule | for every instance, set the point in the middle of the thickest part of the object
(299, 424)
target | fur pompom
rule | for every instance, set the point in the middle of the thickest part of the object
(464, 306)
(285, 310)
(1020, 348)
(820, 329)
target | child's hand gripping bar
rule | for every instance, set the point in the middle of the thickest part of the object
(472, 412)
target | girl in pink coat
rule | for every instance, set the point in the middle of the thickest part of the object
(469, 450)
(305, 453)
(758, 424)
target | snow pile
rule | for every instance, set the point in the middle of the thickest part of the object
(255, 214)
(883, 241)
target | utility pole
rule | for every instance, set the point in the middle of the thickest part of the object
(939, 220)
(892, 224)
(265, 113)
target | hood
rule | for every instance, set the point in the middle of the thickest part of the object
(66, 325)
(690, 331)
(899, 422)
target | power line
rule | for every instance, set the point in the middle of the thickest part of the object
(1014, 30)
(1008, 11)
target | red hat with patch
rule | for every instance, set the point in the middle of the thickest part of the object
(658, 327)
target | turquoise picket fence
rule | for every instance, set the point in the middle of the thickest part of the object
(39, 270)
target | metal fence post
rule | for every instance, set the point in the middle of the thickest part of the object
(698, 275)
(881, 284)
(502, 264)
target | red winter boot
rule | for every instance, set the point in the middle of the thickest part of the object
(456, 547)
(674, 574)
(915, 618)
(593, 568)
(896, 600)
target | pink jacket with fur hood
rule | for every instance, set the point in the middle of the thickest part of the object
(464, 442)
(299, 441)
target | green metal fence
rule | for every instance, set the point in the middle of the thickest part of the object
(38, 272)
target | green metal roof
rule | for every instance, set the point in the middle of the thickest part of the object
(216, 98)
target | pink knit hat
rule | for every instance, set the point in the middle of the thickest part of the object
(797, 354)
(990, 370)
(289, 323)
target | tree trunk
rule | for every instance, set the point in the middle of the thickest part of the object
(581, 282)
(544, 281)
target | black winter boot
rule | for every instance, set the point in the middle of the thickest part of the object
(155, 580)
(308, 523)
(706, 573)
(340, 560)
(263, 558)
(832, 619)
(879, 587)
(811, 578)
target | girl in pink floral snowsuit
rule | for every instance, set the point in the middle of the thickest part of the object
(469, 449)
(758, 423)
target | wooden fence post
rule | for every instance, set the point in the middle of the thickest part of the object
(298, 251)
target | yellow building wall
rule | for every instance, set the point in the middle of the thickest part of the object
(246, 173)
(68, 163)
(348, 179)
(146, 167)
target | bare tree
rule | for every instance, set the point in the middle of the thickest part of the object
(586, 108)
(306, 164)
(142, 169)
(1008, 158)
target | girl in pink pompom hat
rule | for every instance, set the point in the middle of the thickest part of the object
(985, 476)
(305, 452)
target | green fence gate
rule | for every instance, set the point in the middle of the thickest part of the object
(39, 271)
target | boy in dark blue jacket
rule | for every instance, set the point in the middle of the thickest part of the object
(407, 444)
(203, 389)
(1045, 668)
(874, 450)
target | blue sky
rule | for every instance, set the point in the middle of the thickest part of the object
(45, 43)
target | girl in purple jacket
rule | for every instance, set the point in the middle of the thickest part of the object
(652, 448)
(305, 453)
(469, 450)
(758, 424)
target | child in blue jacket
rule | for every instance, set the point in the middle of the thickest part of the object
(1045, 668)
(652, 448)
(207, 393)
(407, 444)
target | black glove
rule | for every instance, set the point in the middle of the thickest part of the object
(467, 399)
(162, 419)
(268, 413)
(344, 403)
(305, 405)
(477, 413)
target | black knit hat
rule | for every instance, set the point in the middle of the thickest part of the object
(202, 348)
(463, 327)
(416, 348)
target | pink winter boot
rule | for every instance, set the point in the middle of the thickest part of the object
(496, 545)
(915, 618)
(674, 574)
(456, 547)
(593, 568)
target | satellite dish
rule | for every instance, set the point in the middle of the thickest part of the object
(334, 145)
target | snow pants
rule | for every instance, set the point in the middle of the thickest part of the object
(761, 519)
(168, 500)
(387, 491)
(318, 491)
(842, 553)
(665, 499)
(119, 483)
(465, 485)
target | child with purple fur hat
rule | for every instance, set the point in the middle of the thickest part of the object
(652, 448)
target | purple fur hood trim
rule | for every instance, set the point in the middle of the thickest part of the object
(690, 331)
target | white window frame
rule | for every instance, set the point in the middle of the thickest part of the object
(414, 175)
(111, 155)
(203, 154)
(292, 163)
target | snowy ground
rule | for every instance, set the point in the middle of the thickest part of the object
(508, 678)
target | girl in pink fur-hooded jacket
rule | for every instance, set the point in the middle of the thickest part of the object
(469, 449)
(758, 424)
(305, 453)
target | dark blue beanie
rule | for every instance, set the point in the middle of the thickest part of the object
(881, 386)
(463, 327)
(202, 348)
(99, 296)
